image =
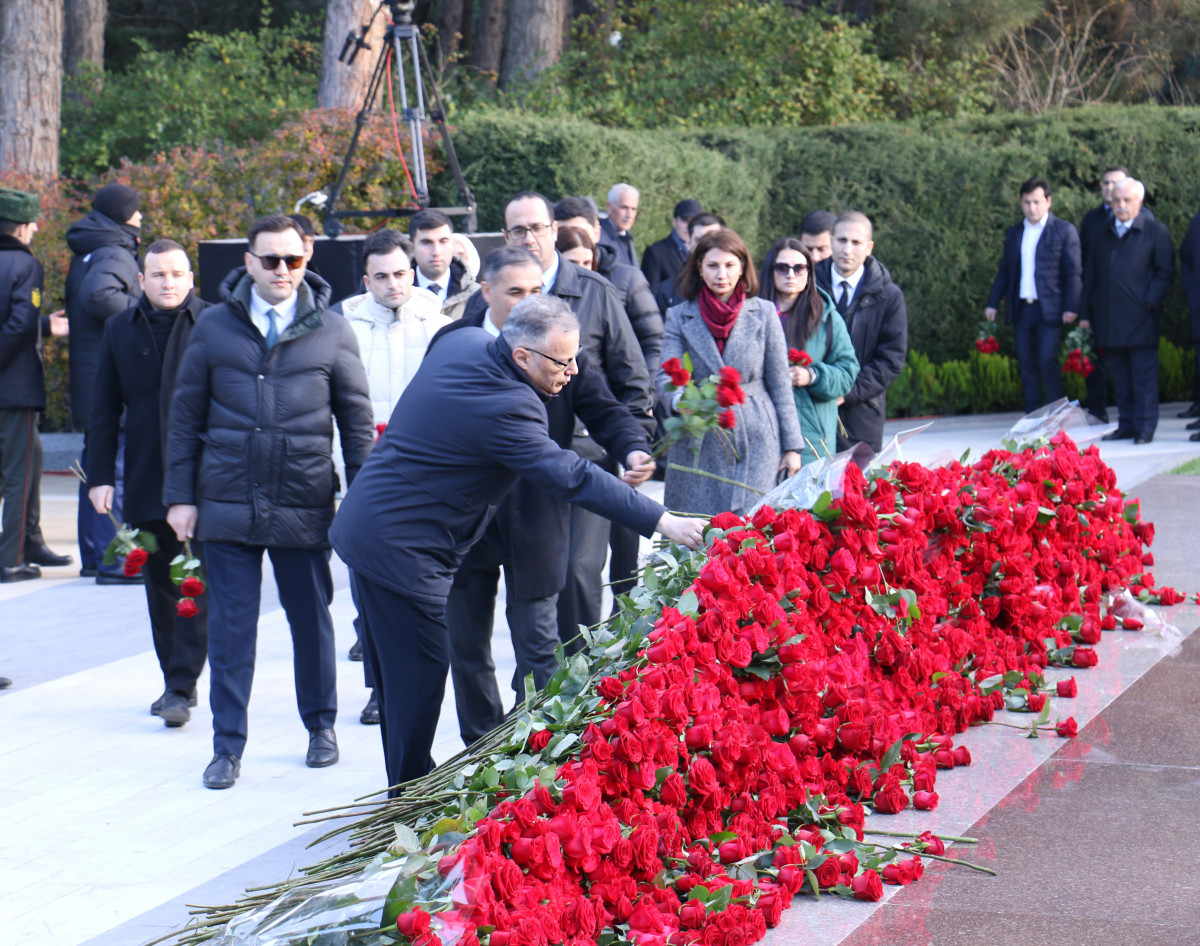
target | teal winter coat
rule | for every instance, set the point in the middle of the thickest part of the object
(816, 404)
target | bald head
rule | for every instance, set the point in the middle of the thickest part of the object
(853, 241)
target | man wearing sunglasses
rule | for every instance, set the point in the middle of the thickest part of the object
(249, 469)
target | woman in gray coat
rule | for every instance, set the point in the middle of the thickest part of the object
(723, 323)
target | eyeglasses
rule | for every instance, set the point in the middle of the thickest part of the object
(786, 269)
(518, 234)
(564, 365)
(271, 262)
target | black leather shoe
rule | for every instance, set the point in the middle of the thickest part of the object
(1139, 440)
(19, 572)
(356, 651)
(174, 710)
(222, 771)
(157, 705)
(40, 554)
(88, 572)
(117, 578)
(1193, 411)
(322, 748)
(5, 683)
(1119, 434)
(370, 714)
(1194, 425)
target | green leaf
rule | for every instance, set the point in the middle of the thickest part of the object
(688, 603)
(399, 899)
(406, 840)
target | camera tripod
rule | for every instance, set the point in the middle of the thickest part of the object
(402, 40)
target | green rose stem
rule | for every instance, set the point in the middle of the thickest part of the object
(936, 857)
(909, 834)
(712, 476)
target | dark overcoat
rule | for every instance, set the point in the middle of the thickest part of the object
(531, 525)
(102, 280)
(251, 431)
(1126, 281)
(22, 380)
(134, 378)
(662, 261)
(878, 322)
(1189, 275)
(638, 302)
(429, 489)
(1057, 271)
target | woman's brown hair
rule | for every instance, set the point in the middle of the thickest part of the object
(690, 280)
(571, 237)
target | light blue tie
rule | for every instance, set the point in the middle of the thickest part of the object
(272, 329)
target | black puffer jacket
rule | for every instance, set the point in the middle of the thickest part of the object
(251, 432)
(102, 281)
(638, 302)
(22, 381)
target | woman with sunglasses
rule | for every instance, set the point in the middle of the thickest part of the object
(813, 326)
(722, 324)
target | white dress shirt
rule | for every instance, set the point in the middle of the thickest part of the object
(286, 313)
(488, 325)
(438, 288)
(1029, 241)
(1122, 227)
(550, 275)
(850, 282)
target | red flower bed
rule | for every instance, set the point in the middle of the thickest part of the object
(824, 664)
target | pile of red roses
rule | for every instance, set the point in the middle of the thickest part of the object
(821, 663)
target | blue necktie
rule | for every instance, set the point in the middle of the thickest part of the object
(272, 329)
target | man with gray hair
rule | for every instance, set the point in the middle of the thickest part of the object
(622, 209)
(429, 489)
(1129, 268)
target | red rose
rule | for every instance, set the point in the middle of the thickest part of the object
(692, 915)
(1068, 688)
(186, 608)
(191, 586)
(867, 886)
(134, 561)
(829, 872)
(933, 844)
(731, 851)
(674, 791)
(1036, 701)
(925, 801)
(679, 375)
(1084, 657)
(962, 755)
(540, 739)
(1067, 728)
(702, 777)
(727, 419)
(891, 799)
(413, 923)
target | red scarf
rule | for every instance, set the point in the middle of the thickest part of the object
(719, 316)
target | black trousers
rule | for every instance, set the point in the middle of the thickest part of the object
(470, 615)
(625, 545)
(96, 529)
(20, 469)
(1097, 383)
(406, 642)
(181, 644)
(1135, 379)
(305, 591)
(1037, 343)
(580, 600)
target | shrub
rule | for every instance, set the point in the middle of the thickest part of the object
(232, 88)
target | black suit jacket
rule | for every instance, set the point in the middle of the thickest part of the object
(1057, 271)
(531, 525)
(469, 424)
(622, 244)
(662, 261)
(1189, 272)
(22, 382)
(135, 379)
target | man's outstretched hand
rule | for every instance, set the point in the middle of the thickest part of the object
(689, 532)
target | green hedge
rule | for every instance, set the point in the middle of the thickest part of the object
(940, 194)
(984, 384)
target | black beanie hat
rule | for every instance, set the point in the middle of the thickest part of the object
(117, 202)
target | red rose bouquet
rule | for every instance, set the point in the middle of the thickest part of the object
(1078, 352)
(801, 359)
(186, 573)
(985, 342)
(700, 407)
(132, 546)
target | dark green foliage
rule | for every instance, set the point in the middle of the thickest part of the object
(231, 88)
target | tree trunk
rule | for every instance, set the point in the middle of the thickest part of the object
(342, 85)
(83, 34)
(450, 28)
(489, 40)
(533, 39)
(30, 85)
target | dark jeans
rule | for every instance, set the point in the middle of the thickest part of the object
(96, 529)
(1038, 344)
(19, 468)
(407, 643)
(1135, 379)
(470, 614)
(305, 591)
(181, 644)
